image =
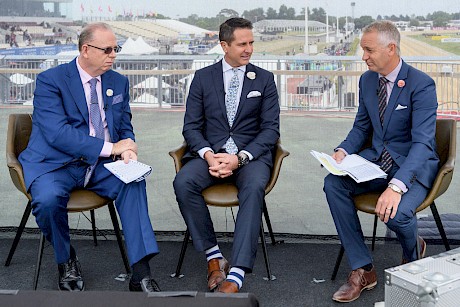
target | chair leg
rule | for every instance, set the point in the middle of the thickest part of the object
(374, 233)
(182, 255)
(337, 263)
(121, 246)
(269, 225)
(264, 249)
(93, 226)
(41, 246)
(437, 219)
(21, 227)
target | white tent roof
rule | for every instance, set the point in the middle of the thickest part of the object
(151, 82)
(138, 46)
(216, 50)
(141, 44)
(20, 79)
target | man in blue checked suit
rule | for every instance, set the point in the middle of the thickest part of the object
(231, 125)
(82, 119)
(397, 110)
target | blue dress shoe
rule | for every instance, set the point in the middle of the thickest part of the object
(147, 284)
(70, 278)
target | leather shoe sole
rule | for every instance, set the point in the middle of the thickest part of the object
(217, 272)
(227, 287)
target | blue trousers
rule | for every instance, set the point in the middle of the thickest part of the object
(339, 194)
(250, 180)
(50, 194)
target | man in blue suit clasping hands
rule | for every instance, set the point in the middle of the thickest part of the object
(231, 126)
(82, 119)
(397, 110)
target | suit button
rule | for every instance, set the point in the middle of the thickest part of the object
(231, 133)
(386, 143)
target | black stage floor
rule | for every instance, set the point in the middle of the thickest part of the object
(302, 268)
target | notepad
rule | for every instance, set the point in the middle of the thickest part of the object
(355, 166)
(129, 172)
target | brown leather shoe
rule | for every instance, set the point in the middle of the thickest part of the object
(358, 280)
(422, 244)
(217, 272)
(227, 287)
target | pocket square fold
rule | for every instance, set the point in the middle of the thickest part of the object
(253, 94)
(117, 99)
(400, 107)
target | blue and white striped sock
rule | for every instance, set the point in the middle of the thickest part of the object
(213, 253)
(236, 275)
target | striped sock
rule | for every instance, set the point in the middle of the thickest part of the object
(213, 253)
(236, 275)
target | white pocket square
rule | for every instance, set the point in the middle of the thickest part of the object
(117, 99)
(400, 107)
(254, 94)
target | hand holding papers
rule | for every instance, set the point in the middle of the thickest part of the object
(354, 165)
(128, 172)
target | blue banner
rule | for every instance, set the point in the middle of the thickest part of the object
(46, 50)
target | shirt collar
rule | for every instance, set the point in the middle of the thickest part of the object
(84, 76)
(226, 67)
(394, 74)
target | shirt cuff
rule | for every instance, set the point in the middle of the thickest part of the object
(106, 149)
(248, 154)
(342, 150)
(203, 150)
(399, 184)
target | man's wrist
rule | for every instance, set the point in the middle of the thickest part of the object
(395, 188)
(243, 159)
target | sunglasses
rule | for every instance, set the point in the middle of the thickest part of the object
(107, 50)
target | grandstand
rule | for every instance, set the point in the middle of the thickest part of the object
(26, 23)
(157, 29)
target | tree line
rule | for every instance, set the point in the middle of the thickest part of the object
(439, 18)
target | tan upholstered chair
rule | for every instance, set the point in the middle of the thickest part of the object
(446, 136)
(226, 195)
(19, 129)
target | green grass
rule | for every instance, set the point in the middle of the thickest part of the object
(449, 47)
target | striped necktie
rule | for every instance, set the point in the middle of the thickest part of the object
(386, 162)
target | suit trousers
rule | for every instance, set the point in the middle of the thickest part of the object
(250, 180)
(339, 194)
(50, 194)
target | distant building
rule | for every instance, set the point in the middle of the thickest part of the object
(283, 26)
(30, 8)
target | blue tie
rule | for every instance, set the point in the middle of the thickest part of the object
(386, 162)
(94, 111)
(230, 104)
(96, 120)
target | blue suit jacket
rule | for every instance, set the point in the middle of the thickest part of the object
(409, 127)
(60, 132)
(256, 124)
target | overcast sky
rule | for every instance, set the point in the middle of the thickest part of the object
(210, 8)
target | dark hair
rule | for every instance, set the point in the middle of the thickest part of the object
(86, 34)
(230, 25)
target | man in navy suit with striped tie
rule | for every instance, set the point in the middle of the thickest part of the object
(397, 109)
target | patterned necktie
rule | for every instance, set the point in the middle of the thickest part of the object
(385, 159)
(94, 111)
(96, 120)
(230, 104)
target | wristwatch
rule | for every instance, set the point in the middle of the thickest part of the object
(395, 188)
(243, 159)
